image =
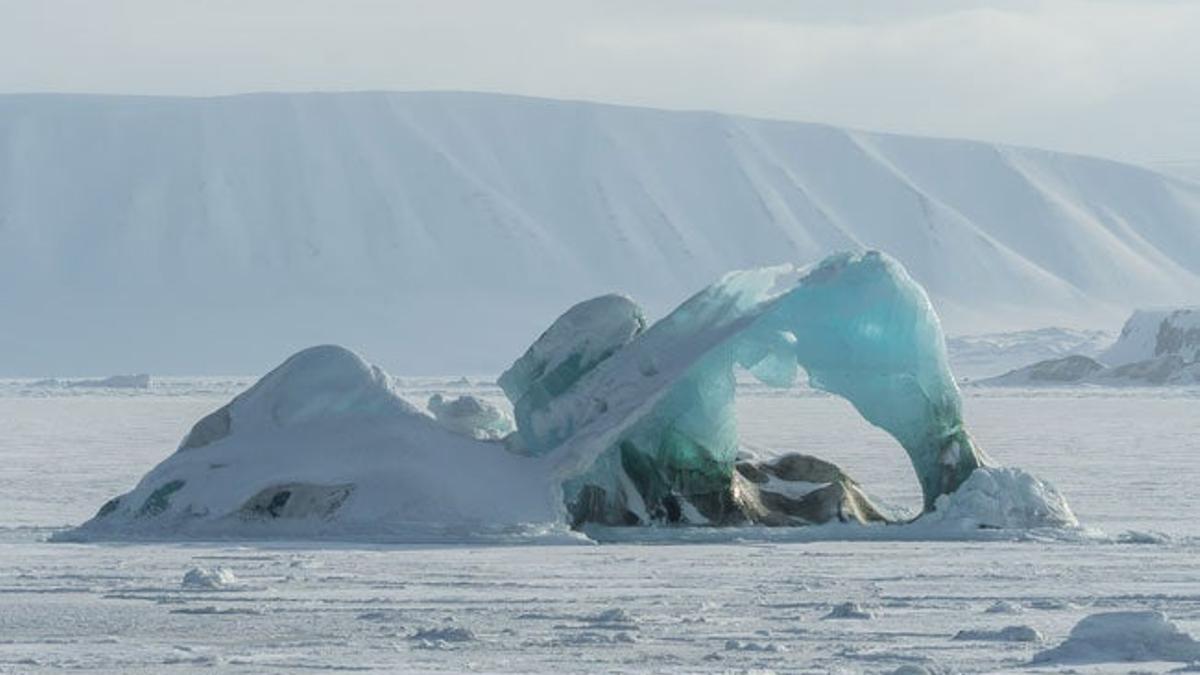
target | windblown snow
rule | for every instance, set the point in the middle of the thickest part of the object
(404, 224)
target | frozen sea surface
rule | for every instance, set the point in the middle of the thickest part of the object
(1128, 460)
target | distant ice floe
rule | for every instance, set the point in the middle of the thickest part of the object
(1020, 633)
(140, 381)
(617, 423)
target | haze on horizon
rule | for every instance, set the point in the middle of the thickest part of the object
(1112, 78)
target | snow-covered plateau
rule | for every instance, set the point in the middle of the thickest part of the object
(305, 219)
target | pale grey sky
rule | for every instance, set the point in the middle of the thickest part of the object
(1119, 78)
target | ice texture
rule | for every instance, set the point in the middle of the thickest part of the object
(572, 346)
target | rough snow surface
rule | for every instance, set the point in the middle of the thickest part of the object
(302, 607)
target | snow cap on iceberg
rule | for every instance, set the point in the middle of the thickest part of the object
(323, 383)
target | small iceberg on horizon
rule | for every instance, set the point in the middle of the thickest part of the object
(617, 423)
(139, 381)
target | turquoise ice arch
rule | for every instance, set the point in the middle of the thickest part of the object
(645, 415)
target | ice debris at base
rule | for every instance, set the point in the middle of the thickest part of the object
(1006, 634)
(202, 578)
(1123, 637)
(471, 416)
(616, 424)
(1004, 498)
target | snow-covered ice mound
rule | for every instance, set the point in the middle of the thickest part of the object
(1123, 636)
(616, 424)
(203, 578)
(1003, 498)
(322, 446)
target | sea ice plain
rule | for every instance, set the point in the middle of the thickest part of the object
(123, 607)
(617, 424)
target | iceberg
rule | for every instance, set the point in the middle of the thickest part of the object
(1156, 348)
(617, 423)
(653, 424)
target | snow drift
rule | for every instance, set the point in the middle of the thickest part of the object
(289, 214)
(617, 424)
(1123, 637)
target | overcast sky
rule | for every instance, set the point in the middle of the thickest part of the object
(1119, 78)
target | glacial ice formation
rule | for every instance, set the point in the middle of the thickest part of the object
(616, 424)
(650, 432)
(1155, 348)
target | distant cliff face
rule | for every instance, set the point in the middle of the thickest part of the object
(441, 231)
(1155, 348)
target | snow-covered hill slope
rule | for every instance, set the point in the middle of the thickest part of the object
(441, 231)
